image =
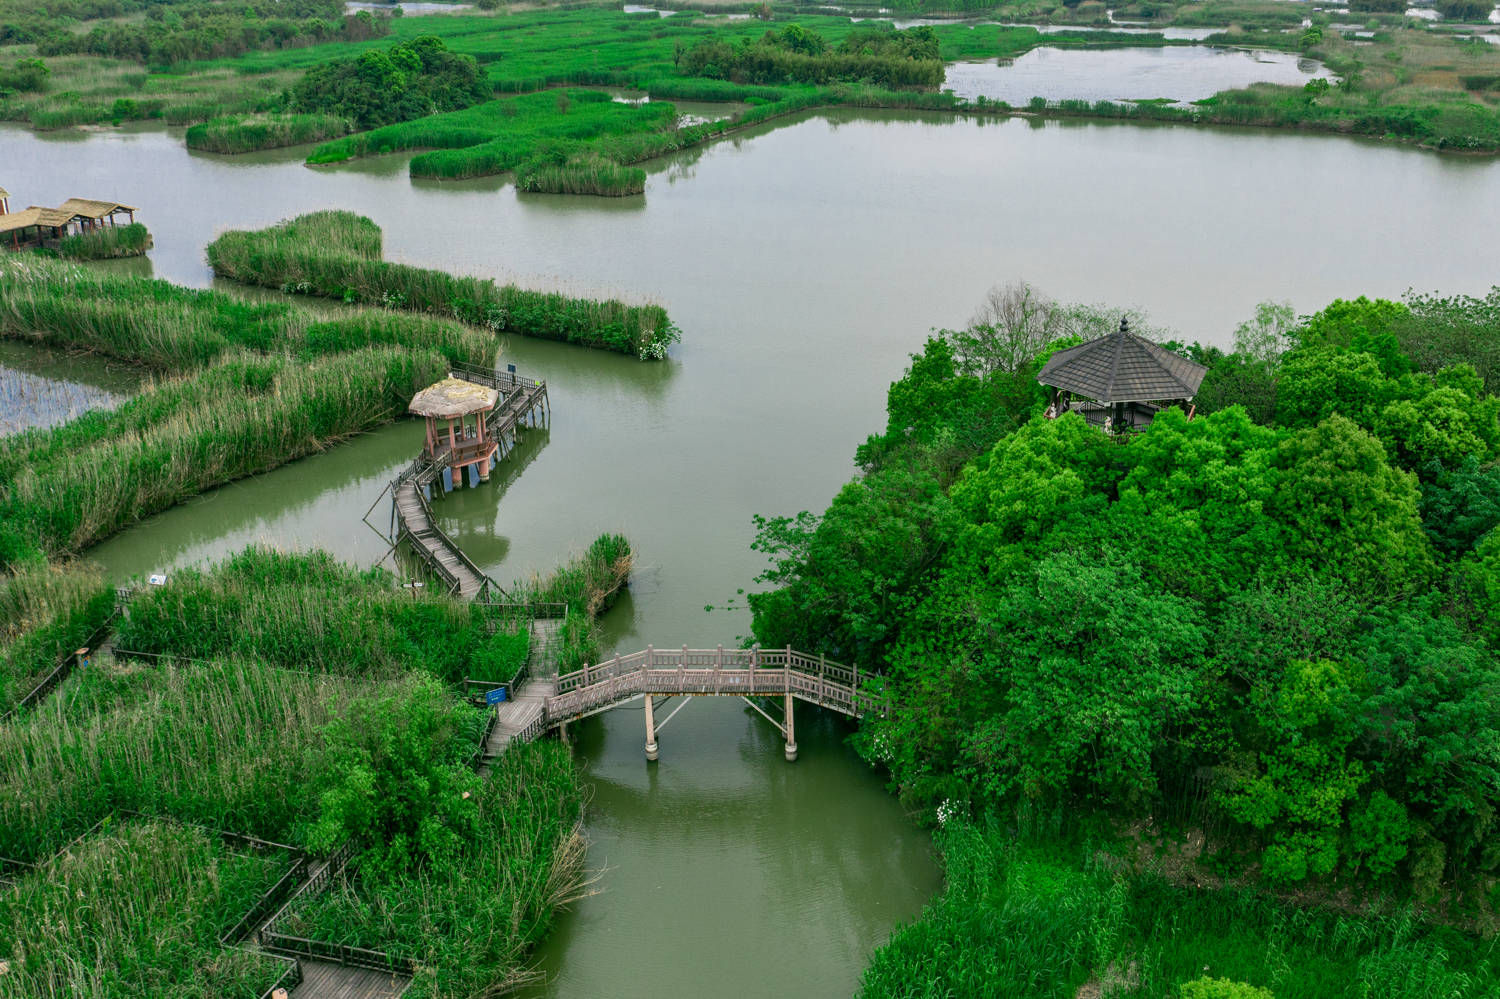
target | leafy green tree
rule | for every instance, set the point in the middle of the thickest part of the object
(398, 784)
(1460, 504)
(1269, 335)
(1297, 784)
(1347, 512)
(1088, 667)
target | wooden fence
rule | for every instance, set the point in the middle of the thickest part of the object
(66, 664)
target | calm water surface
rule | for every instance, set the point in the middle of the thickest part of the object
(42, 388)
(803, 263)
(1179, 73)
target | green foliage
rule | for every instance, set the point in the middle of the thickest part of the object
(180, 32)
(27, 75)
(337, 255)
(107, 243)
(399, 786)
(1058, 921)
(1222, 988)
(587, 585)
(411, 79)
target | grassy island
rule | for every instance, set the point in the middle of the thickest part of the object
(338, 255)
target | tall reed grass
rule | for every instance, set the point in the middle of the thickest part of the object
(46, 612)
(135, 910)
(470, 923)
(308, 611)
(589, 585)
(171, 328)
(336, 255)
(107, 243)
(249, 133)
(64, 490)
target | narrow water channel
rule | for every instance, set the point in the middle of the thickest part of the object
(803, 261)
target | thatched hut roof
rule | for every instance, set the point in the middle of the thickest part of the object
(453, 397)
(4, 193)
(1123, 367)
(20, 220)
(91, 209)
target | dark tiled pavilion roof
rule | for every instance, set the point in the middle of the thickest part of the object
(1122, 367)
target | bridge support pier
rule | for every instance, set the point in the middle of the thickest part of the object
(651, 750)
(791, 732)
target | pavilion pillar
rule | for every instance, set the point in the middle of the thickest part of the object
(651, 749)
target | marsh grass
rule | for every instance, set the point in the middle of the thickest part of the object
(170, 328)
(133, 910)
(107, 243)
(248, 133)
(337, 255)
(307, 611)
(470, 923)
(65, 490)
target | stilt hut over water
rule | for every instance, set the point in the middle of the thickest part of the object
(454, 410)
(38, 226)
(1121, 381)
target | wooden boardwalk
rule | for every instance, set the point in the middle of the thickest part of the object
(325, 980)
(523, 403)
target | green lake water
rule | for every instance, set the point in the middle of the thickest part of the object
(804, 262)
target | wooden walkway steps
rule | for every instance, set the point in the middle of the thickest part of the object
(326, 980)
(522, 718)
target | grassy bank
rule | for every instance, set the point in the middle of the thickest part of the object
(247, 133)
(173, 329)
(107, 243)
(65, 489)
(309, 612)
(136, 909)
(1055, 924)
(337, 255)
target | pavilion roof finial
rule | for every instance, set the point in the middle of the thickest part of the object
(1124, 324)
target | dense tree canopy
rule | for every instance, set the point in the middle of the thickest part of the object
(1278, 616)
(406, 81)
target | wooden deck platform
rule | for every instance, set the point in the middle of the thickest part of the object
(324, 980)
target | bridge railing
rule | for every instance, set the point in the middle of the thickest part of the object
(741, 672)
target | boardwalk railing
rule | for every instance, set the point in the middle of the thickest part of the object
(288, 979)
(274, 898)
(723, 672)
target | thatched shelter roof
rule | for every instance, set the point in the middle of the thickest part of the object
(20, 220)
(1122, 367)
(4, 193)
(91, 209)
(453, 397)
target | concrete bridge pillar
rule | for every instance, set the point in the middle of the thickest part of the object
(791, 732)
(651, 752)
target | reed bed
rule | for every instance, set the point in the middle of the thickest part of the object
(182, 437)
(28, 400)
(470, 923)
(332, 254)
(249, 133)
(1023, 921)
(231, 746)
(589, 173)
(46, 612)
(170, 328)
(307, 611)
(107, 243)
(135, 910)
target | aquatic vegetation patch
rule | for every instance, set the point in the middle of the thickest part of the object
(337, 255)
(248, 133)
(107, 243)
(46, 613)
